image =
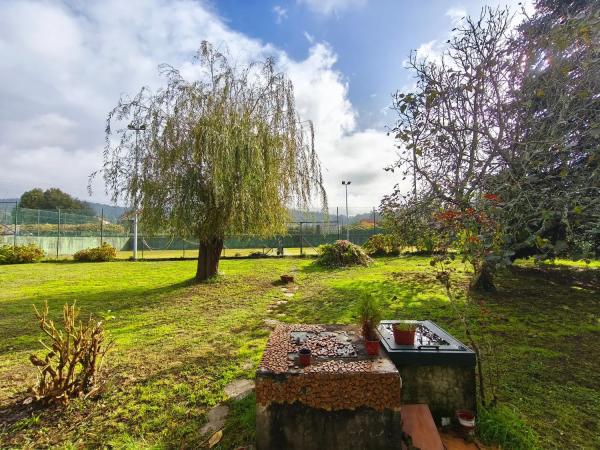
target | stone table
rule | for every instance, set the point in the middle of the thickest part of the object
(343, 400)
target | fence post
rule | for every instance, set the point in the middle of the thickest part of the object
(58, 235)
(337, 220)
(16, 214)
(135, 235)
(101, 226)
(301, 241)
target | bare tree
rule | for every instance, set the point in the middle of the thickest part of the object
(455, 127)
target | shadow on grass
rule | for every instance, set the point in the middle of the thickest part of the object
(183, 411)
(587, 278)
(315, 267)
(337, 303)
(16, 323)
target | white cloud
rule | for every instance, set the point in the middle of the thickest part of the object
(431, 50)
(46, 167)
(64, 66)
(329, 7)
(280, 13)
(360, 158)
(345, 152)
(456, 14)
(321, 92)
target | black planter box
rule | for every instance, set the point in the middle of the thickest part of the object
(433, 347)
(437, 369)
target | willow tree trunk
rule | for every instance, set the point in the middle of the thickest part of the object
(209, 254)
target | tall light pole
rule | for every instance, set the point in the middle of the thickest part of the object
(347, 183)
(137, 127)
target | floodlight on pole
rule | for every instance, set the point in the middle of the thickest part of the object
(346, 184)
(137, 127)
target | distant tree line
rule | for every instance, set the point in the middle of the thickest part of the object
(53, 199)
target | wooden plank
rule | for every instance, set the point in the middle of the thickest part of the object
(418, 423)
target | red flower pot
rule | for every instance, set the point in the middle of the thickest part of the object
(287, 279)
(404, 337)
(466, 419)
(304, 357)
(372, 347)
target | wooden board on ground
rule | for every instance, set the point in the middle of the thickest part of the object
(418, 423)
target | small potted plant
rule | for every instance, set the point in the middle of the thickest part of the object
(304, 356)
(404, 333)
(369, 315)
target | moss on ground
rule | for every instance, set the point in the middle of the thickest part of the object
(179, 344)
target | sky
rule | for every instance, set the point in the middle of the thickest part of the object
(65, 64)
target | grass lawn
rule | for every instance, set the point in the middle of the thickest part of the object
(178, 344)
(227, 253)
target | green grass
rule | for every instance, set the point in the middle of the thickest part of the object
(179, 344)
(501, 424)
(227, 253)
(193, 254)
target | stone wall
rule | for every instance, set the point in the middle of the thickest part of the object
(299, 427)
(444, 388)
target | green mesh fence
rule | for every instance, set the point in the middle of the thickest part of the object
(293, 239)
(41, 223)
(63, 233)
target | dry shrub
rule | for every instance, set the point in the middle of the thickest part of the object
(105, 252)
(382, 245)
(342, 254)
(75, 355)
(20, 254)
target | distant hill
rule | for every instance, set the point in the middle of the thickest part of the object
(114, 213)
(318, 216)
(111, 213)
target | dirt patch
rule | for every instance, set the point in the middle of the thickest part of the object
(453, 441)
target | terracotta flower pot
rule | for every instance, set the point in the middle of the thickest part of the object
(287, 279)
(304, 356)
(466, 419)
(372, 347)
(404, 337)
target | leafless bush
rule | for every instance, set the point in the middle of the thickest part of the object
(75, 355)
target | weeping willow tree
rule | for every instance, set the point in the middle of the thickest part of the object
(225, 153)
